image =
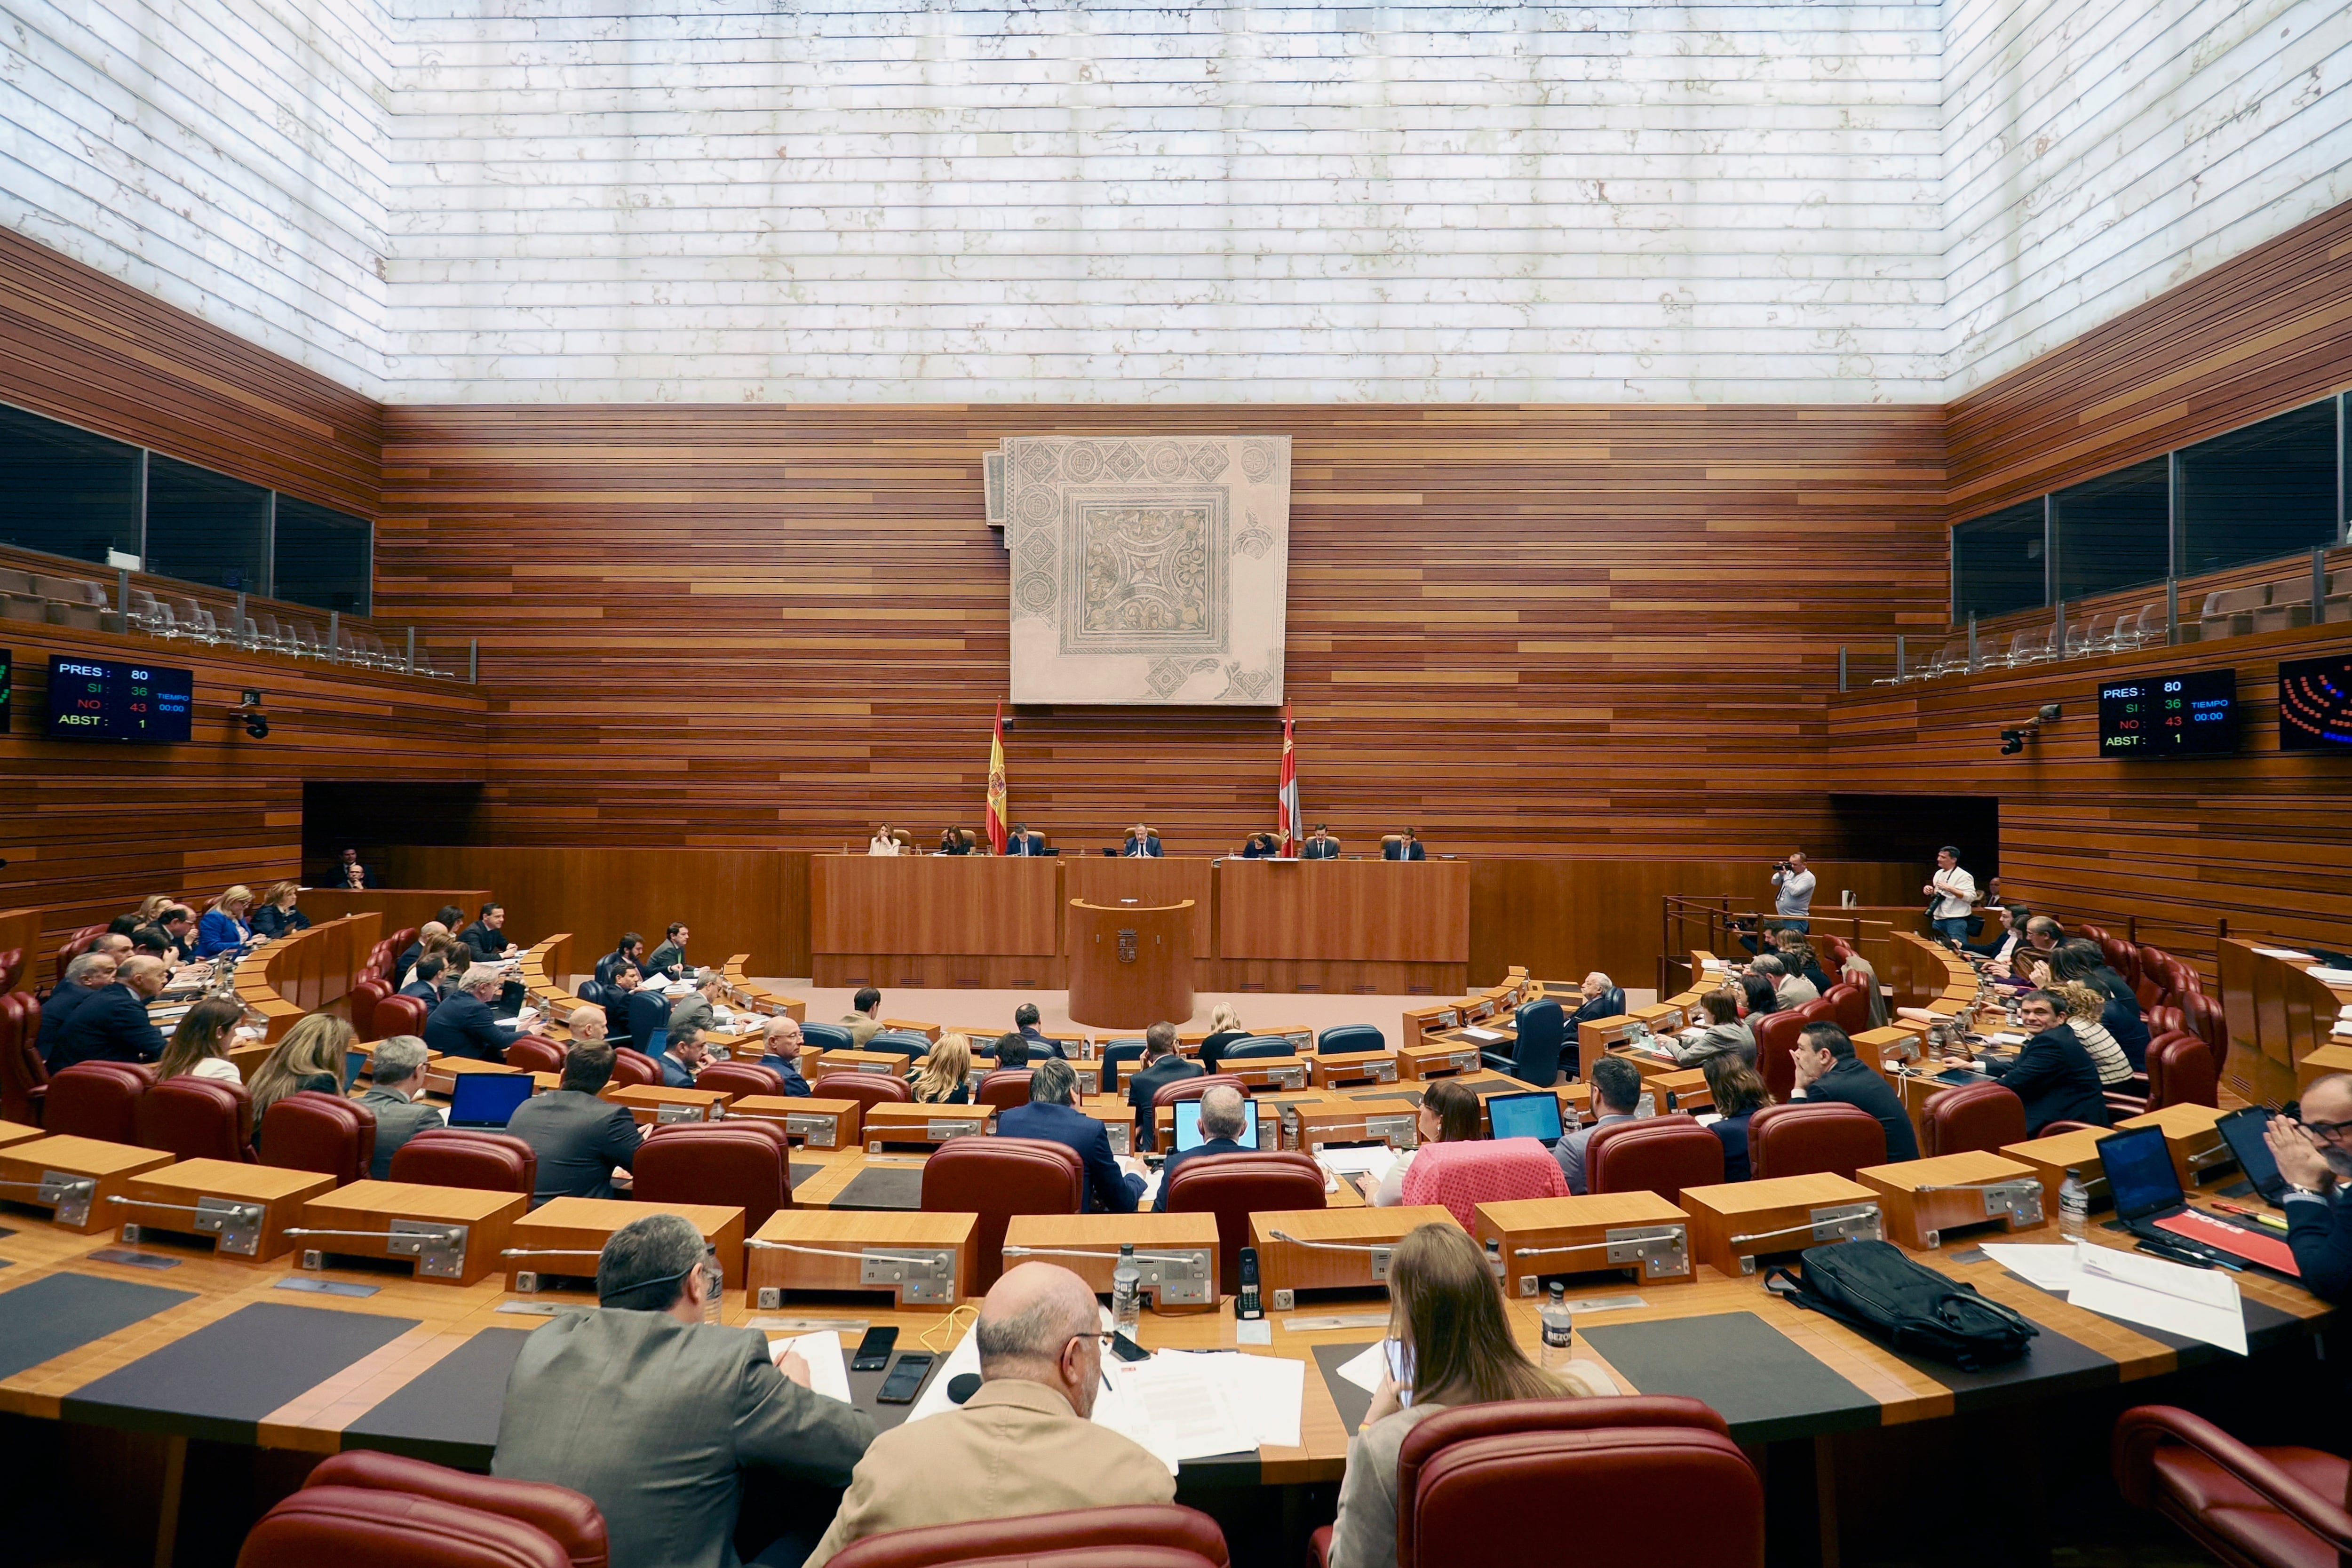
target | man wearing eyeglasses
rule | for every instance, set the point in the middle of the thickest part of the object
(2315, 1155)
(1024, 1443)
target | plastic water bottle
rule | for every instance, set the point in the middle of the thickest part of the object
(1127, 1292)
(1559, 1328)
(2073, 1201)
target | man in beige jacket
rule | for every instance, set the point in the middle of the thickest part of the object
(1023, 1444)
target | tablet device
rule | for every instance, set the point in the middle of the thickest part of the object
(1188, 1124)
(485, 1100)
(1531, 1115)
(2243, 1131)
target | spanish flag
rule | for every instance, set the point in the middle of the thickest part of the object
(996, 781)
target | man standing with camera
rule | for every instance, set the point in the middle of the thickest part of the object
(1792, 893)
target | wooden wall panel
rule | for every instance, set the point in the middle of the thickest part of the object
(1522, 630)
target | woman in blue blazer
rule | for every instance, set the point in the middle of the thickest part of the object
(223, 929)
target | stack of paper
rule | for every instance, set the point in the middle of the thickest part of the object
(1371, 1160)
(2298, 956)
(828, 1371)
(1189, 1404)
(2195, 1303)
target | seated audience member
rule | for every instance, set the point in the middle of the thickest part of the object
(150, 910)
(642, 1012)
(199, 1046)
(2315, 1155)
(884, 841)
(156, 944)
(223, 929)
(424, 980)
(1738, 1093)
(463, 1024)
(669, 958)
(1026, 1019)
(654, 1414)
(1723, 1033)
(112, 1025)
(781, 1050)
(276, 915)
(1856, 971)
(1224, 1122)
(2079, 960)
(88, 974)
(1788, 991)
(1224, 1029)
(1616, 1096)
(1408, 846)
(416, 949)
(1798, 956)
(586, 1023)
(701, 1008)
(310, 1056)
(1161, 1066)
(951, 842)
(683, 1053)
(1022, 1443)
(2052, 1074)
(864, 1020)
(1023, 842)
(396, 1074)
(487, 936)
(1448, 1114)
(2082, 1010)
(1142, 844)
(1756, 997)
(2007, 939)
(2043, 934)
(1010, 1052)
(1319, 845)
(1827, 1069)
(349, 873)
(176, 926)
(1261, 846)
(1050, 1115)
(1602, 999)
(942, 1077)
(630, 949)
(1447, 1316)
(579, 1139)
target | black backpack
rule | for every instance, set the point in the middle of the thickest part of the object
(1871, 1286)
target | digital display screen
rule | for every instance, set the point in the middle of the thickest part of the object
(2315, 704)
(113, 699)
(2191, 714)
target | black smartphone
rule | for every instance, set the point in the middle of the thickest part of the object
(874, 1350)
(1248, 1305)
(905, 1378)
(1127, 1349)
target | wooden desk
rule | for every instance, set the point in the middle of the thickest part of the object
(936, 920)
(459, 1232)
(73, 1178)
(1170, 1286)
(1395, 926)
(2279, 1014)
(562, 1238)
(244, 1209)
(1167, 881)
(302, 974)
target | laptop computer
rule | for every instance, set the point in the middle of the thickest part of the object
(1534, 1115)
(2243, 1131)
(2150, 1205)
(484, 1100)
(354, 1064)
(1188, 1124)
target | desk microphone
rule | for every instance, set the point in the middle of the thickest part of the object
(962, 1386)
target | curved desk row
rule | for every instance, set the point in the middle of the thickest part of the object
(282, 980)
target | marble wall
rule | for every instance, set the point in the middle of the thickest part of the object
(448, 200)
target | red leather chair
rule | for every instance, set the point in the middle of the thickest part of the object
(1660, 1155)
(868, 1088)
(313, 1130)
(1849, 1007)
(736, 1164)
(1132, 1535)
(1838, 949)
(358, 1528)
(534, 1053)
(1194, 1088)
(2251, 1508)
(2149, 985)
(2180, 1072)
(560, 1513)
(1776, 1036)
(1003, 1089)
(196, 1119)
(2121, 956)
(76, 945)
(1234, 1186)
(1807, 1139)
(487, 1161)
(2166, 1019)
(397, 944)
(12, 969)
(998, 1178)
(740, 1077)
(1466, 1474)
(1979, 1117)
(2207, 1022)
(1819, 1010)
(631, 1066)
(364, 995)
(398, 1015)
(97, 1100)
(24, 1081)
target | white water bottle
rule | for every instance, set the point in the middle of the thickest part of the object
(2073, 1201)
(1125, 1293)
(1559, 1328)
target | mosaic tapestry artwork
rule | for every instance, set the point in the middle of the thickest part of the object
(1146, 569)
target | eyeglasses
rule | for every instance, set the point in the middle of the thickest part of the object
(2332, 1131)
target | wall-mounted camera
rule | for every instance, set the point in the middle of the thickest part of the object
(2012, 741)
(257, 723)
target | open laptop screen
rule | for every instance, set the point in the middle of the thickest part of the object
(1535, 1115)
(487, 1098)
(1188, 1124)
(2139, 1172)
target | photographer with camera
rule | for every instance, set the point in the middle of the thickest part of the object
(1792, 893)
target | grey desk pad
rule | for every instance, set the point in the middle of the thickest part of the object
(44, 1319)
(882, 1187)
(1763, 1383)
(220, 1381)
(1352, 1401)
(449, 1413)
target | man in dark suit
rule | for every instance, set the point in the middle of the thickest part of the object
(2315, 1155)
(1223, 1122)
(343, 877)
(783, 1052)
(85, 977)
(630, 949)
(2054, 1074)
(424, 980)
(683, 1055)
(1319, 846)
(1827, 1069)
(578, 1137)
(1025, 1018)
(1050, 1115)
(463, 1026)
(654, 1415)
(396, 1077)
(1161, 1065)
(1142, 844)
(112, 1026)
(639, 1015)
(487, 936)
(1407, 848)
(669, 958)
(1021, 841)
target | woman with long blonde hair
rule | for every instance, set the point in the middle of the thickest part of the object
(1224, 1029)
(310, 1056)
(941, 1078)
(223, 929)
(1445, 1314)
(275, 916)
(199, 1046)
